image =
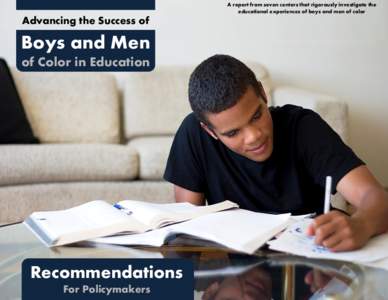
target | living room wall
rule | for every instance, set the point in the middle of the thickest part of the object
(341, 55)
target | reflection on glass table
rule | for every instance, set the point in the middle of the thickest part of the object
(280, 277)
(219, 273)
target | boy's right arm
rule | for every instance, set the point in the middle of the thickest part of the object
(184, 195)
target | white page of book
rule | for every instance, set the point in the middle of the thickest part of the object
(295, 241)
(90, 219)
(86, 216)
(154, 238)
(156, 215)
(98, 213)
(153, 213)
(239, 229)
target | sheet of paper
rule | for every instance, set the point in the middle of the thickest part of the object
(295, 241)
(381, 263)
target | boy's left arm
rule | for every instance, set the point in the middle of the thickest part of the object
(340, 232)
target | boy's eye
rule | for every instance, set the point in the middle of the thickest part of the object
(231, 133)
(257, 115)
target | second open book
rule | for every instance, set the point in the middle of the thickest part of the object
(237, 229)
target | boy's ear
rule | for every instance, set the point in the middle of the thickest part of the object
(209, 131)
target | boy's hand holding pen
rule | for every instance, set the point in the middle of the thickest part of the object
(336, 230)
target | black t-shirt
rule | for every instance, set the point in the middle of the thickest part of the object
(292, 179)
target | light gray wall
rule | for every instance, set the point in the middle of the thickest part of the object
(346, 56)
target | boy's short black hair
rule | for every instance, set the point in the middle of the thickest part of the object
(218, 83)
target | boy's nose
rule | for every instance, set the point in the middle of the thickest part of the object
(252, 135)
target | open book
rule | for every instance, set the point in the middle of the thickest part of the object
(238, 229)
(99, 218)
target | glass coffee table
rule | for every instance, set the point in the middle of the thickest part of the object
(219, 273)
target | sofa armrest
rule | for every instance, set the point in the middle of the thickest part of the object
(330, 108)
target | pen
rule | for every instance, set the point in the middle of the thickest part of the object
(326, 208)
(126, 210)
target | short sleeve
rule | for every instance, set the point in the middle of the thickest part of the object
(322, 150)
(184, 166)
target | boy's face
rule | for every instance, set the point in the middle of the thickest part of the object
(245, 128)
(255, 284)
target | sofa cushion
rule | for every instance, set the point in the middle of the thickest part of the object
(153, 153)
(14, 125)
(18, 202)
(156, 102)
(333, 111)
(25, 164)
(71, 107)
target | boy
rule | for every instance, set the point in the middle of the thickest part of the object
(271, 160)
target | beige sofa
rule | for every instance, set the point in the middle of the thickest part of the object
(108, 137)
